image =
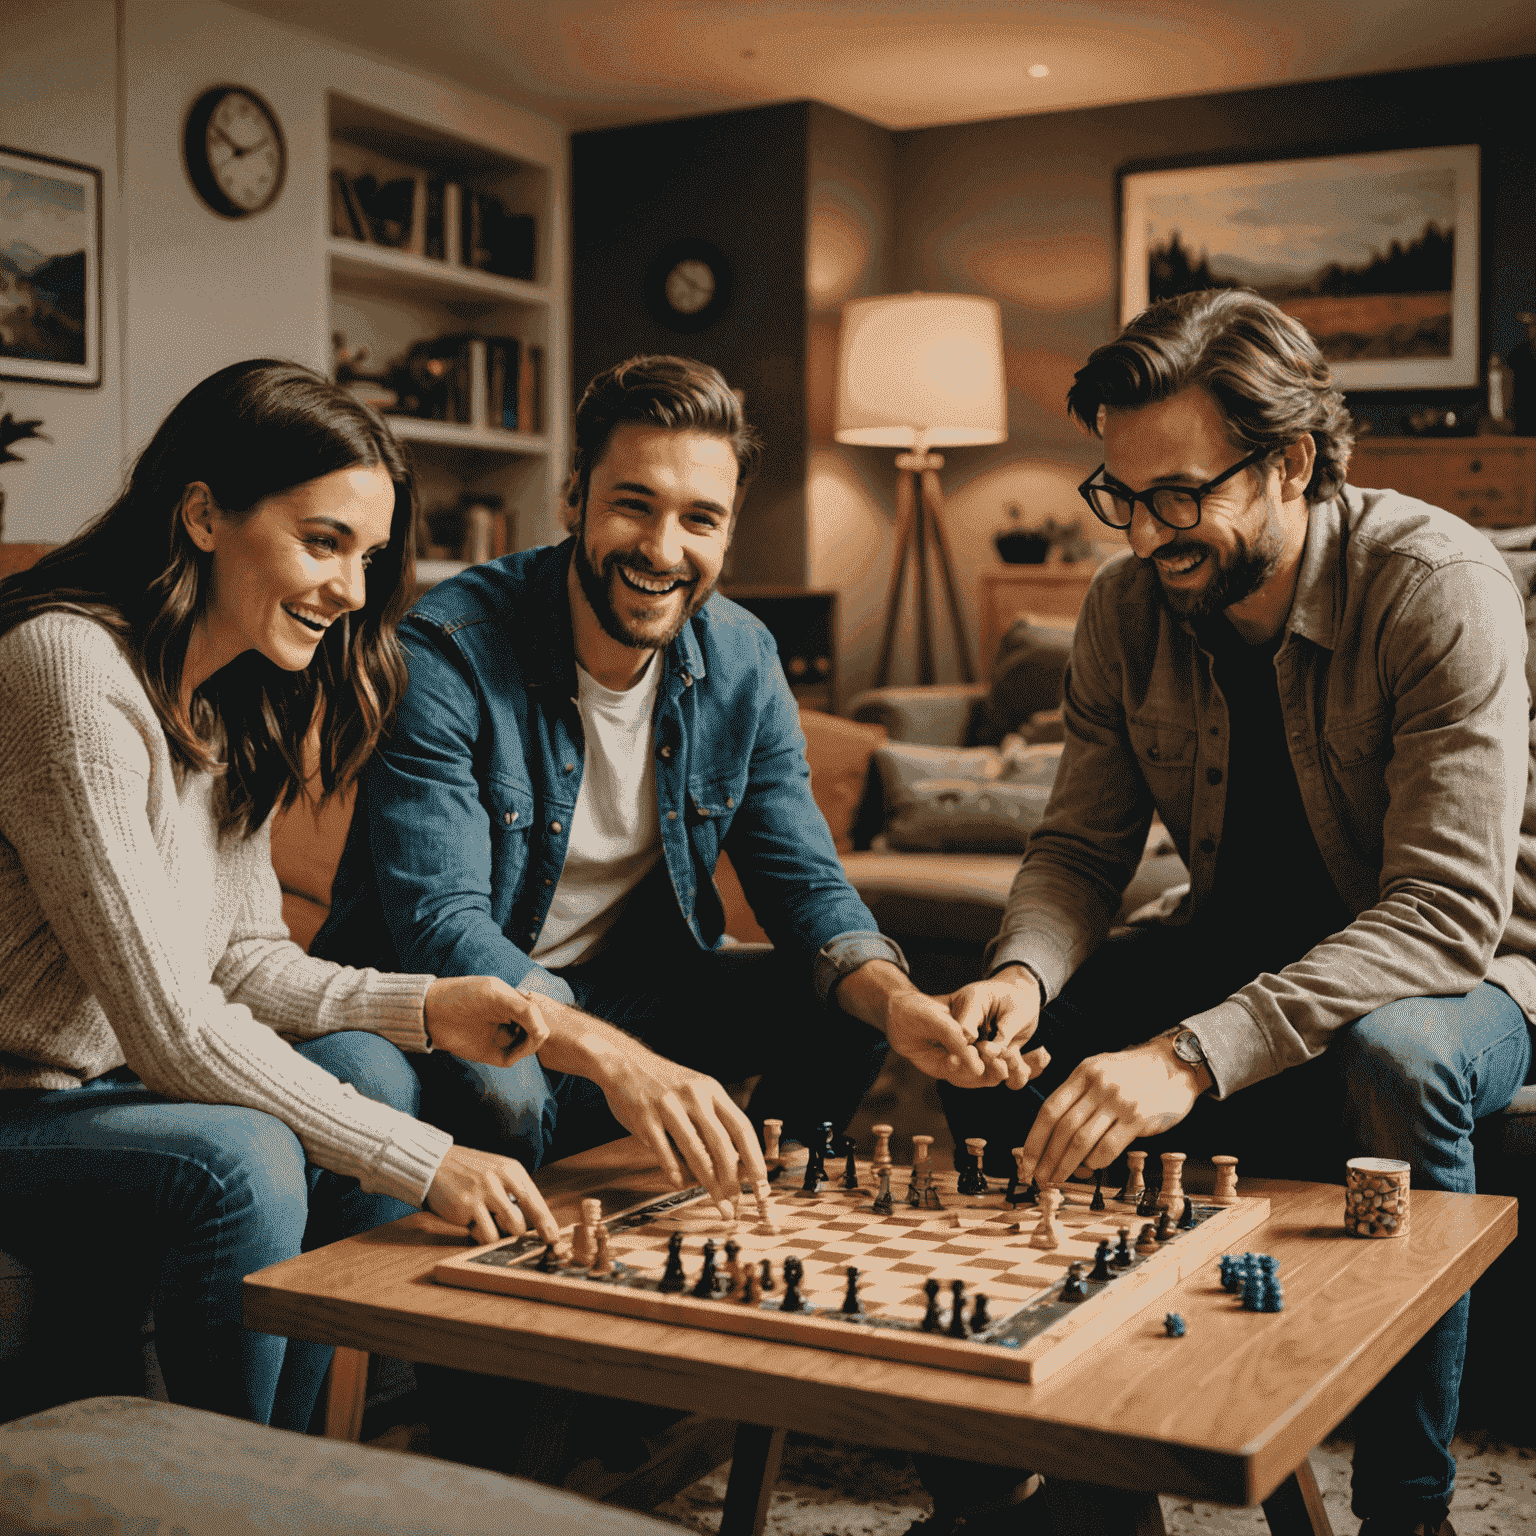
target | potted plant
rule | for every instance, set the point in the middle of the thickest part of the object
(13, 431)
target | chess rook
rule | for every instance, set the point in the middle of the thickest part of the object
(883, 1134)
(1171, 1197)
(1226, 1181)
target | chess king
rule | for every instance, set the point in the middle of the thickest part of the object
(586, 728)
(1321, 692)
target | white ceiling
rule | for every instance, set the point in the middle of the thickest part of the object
(900, 63)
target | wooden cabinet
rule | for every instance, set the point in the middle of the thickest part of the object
(387, 298)
(1053, 591)
(803, 623)
(1490, 481)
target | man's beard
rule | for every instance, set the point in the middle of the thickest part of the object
(1245, 571)
(596, 584)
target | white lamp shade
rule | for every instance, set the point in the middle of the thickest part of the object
(921, 369)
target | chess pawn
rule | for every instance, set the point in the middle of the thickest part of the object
(1226, 1181)
(884, 1203)
(752, 1288)
(920, 1145)
(1135, 1184)
(732, 1269)
(1147, 1242)
(583, 1239)
(765, 1212)
(1172, 1196)
(883, 1134)
(1046, 1235)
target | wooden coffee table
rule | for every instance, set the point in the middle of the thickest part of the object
(1226, 1415)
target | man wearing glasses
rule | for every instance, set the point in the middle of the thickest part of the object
(1321, 692)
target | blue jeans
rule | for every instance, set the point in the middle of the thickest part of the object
(114, 1194)
(1406, 1081)
(732, 1013)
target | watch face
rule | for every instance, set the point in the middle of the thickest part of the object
(235, 152)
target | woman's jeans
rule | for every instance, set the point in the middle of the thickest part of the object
(113, 1194)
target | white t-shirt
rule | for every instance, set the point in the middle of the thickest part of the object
(616, 829)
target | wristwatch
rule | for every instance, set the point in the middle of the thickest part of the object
(1187, 1047)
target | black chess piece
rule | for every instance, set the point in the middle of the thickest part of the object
(884, 1202)
(672, 1277)
(767, 1275)
(932, 1321)
(1164, 1226)
(852, 1306)
(794, 1273)
(1147, 1204)
(956, 1329)
(1011, 1194)
(914, 1191)
(1101, 1269)
(1073, 1288)
(549, 1260)
(980, 1322)
(704, 1286)
(1032, 1194)
(1123, 1257)
(850, 1167)
(816, 1159)
(1097, 1203)
(1187, 1220)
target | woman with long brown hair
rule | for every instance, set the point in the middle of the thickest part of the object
(185, 1096)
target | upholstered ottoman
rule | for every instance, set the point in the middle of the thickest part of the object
(110, 1465)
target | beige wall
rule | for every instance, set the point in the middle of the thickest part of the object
(196, 291)
(58, 97)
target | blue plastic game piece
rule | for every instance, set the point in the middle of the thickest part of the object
(1173, 1325)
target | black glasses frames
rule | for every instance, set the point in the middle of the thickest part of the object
(1174, 506)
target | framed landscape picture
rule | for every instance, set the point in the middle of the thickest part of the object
(50, 270)
(1376, 254)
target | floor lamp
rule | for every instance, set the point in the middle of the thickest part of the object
(919, 371)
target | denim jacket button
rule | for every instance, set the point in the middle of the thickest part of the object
(509, 817)
(548, 881)
(671, 815)
(554, 826)
(1213, 775)
(570, 767)
(1207, 845)
(730, 805)
(666, 751)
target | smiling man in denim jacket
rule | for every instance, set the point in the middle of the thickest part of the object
(585, 730)
(1321, 691)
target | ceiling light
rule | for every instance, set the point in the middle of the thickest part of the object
(1039, 71)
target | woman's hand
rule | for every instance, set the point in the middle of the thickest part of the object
(481, 1018)
(490, 1195)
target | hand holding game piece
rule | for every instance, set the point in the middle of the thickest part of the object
(923, 1029)
(489, 1195)
(1001, 1015)
(481, 1018)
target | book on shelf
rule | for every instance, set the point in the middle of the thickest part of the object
(347, 219)
(493, 240)
(530, 389)
(389, 208)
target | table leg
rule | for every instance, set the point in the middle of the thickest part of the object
(1085, 1509)
(1295, 1508)
(345, 1392)
(754, 1471)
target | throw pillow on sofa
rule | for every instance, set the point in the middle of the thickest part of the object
(1027, 675)
(963, 799)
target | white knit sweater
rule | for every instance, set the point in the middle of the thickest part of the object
(130, 931)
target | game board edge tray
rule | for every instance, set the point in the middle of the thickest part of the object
(1089, 1323)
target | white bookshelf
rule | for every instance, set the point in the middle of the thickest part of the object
(386, 298)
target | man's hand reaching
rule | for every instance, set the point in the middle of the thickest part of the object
(1105, 1105)
(481, 1018)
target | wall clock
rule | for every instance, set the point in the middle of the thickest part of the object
(236, 158)
(688, 286)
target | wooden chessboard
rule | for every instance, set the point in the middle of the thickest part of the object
(1032, 1333)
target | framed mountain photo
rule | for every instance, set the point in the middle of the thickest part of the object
(1376, 254)
(50, 270)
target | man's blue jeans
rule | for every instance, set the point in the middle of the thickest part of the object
(1407, 1081)
(732, 1013)
(112, 1194)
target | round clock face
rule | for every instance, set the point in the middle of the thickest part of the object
(235, 151)
(690, 286)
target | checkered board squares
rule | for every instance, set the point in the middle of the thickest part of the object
(1033, 1332)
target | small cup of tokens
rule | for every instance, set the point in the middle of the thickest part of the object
(1376, 1197)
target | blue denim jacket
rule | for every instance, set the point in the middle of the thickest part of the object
(463, 815)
